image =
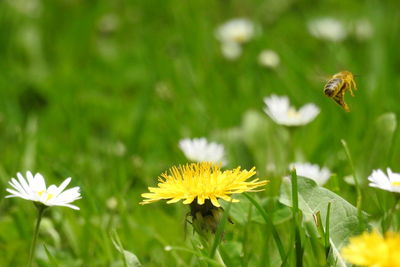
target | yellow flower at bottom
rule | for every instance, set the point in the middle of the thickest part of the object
(201, 181)
(372, 249)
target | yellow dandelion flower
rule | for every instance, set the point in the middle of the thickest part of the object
(200, 182)
(372, 249)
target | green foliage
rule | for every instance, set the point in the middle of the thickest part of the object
(343, 219)
(102, 91)
(129, 259)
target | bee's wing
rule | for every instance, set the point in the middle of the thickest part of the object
(319, 75)
(339, 98)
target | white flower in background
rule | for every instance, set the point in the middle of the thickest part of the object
(200, 150)
(31, 8)
(329, 29)
(108, 23)
(112, 203)
(363, 29)
(269, 59)
(34, 188)
(279, 110)
(389, 182)
(235, 31)
(312, 171)
(231, 50)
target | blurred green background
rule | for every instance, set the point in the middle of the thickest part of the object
(103, 91)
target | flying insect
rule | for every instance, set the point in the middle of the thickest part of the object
(337, 86)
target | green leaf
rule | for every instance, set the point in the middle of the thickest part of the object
(232, 252)
(129, 259)
(343, 223)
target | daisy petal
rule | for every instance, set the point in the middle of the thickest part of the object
(35, 190)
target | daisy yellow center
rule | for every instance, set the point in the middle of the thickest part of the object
(48, 197)
(292, 113)
(239, 38)
(201, 181)
(396, 183)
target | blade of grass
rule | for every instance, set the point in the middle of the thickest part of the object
(270, 224)
(220, 231)
(246, 232)
(296, 223)
(320, 227)
(195, 253)
(319, 255)
(327, 236)
(52, 260)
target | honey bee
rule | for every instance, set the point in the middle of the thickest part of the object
(337, 86)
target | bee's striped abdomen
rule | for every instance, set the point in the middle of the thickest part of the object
(333, 87)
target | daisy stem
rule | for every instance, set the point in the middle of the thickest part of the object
(41, 209)
(291, 148)
(388, 217)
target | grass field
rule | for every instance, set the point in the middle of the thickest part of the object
(102, 92)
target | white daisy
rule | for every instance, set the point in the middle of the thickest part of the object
(363, 29)
(312, 171)
(389, 182)
(231, 50)
(34, 188)
(235, 31)
(200, 150)
(329, 29)
(279, 110)
(269, 59)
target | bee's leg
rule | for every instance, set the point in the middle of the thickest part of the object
(350, 86)
(339, 98)
(353, 83)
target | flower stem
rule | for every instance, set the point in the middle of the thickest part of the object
(291, 148)
(388, 217)
(358, 189)
(40, 209)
